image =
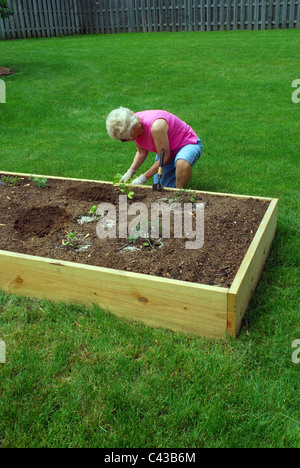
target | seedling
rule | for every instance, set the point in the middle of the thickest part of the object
(93, 211)
(40, 182)
(182, 194)
(151, 244)
(10, 181)
(72, 241)
(131, 240)
(124, 186)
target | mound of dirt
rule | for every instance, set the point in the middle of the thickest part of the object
(5, 71)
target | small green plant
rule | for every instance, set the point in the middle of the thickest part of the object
(40, 182)
(148, 243)
(124, 186)
(131, 240)
(10, 181)
(93, 211)
(152, 244)
(183, 194)
(71, 240)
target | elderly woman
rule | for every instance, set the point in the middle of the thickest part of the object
(153, 130)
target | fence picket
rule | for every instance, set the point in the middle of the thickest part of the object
(46, 18)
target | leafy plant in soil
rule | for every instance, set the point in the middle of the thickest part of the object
(124, 186)
(10, 181)
(72, 241)
(40, 182)
(93, 211)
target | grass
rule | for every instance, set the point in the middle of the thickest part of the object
(79, 377)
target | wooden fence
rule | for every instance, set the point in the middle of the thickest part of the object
(46, 18)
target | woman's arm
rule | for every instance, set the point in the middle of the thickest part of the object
(140, 156)
(159, 131)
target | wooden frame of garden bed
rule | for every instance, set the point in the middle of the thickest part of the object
(158, 302)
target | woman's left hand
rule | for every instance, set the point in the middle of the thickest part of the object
(139, 180)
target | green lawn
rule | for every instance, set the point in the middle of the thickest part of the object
(78, 377)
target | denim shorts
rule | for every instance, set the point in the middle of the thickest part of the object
(190, 153)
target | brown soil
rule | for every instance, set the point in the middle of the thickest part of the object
(35, 221)
(5, 71)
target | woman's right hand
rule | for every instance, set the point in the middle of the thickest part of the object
(127, 176)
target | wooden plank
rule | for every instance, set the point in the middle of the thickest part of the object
(64, 15)
(47, 13)
(155, 17)
(188, 16)
(277, 14)
(208, 15)
(235, 15)
(263, 14)
(228, 16)
(168, 15)
(3, 30)
(59, 26)
(76, 16)
(123, 11)
(161, 17)
(249, 14)
(292, 14)
(38, 32)
(148, 187)
(56, 31)
(39, 17)
(196, 16)
(22, 30)
(243, 20)
(31, 23)
(148, 16)
(284, 14)
(7, 29)
(158, 302)
(130, 15)
(69, 19)
(30, 16)
(215, 15)
(270, 15)
(256, 15)
(248, 275)
(222, 11)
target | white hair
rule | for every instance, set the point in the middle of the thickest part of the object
(120, 123)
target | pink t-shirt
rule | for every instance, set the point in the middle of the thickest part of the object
(179, 133)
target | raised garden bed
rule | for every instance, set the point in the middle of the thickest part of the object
(202, 291)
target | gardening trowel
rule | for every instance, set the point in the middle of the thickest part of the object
(158, 187)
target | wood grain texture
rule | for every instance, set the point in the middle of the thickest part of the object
(158, 302)
(248, 275)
